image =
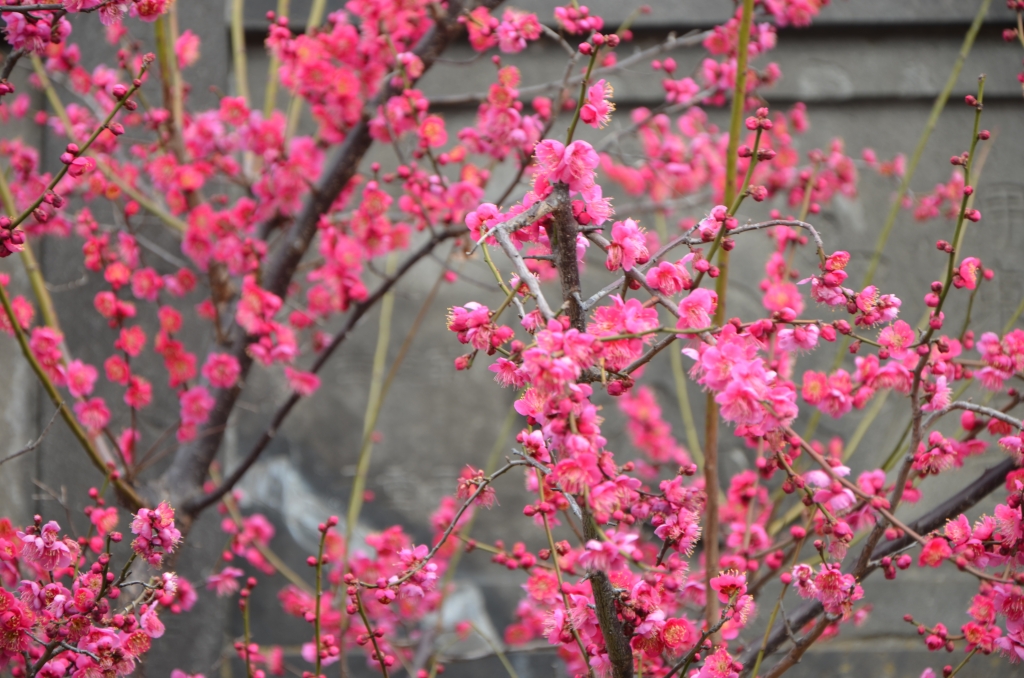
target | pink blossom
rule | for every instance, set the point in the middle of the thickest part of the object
(576, 473)
(968, 272)
(150, 623)
(940, 397)
(507, 373)
(729, 585)
(47, 549)
(1009, 524)
(225, 582)
(156, 533)
(303, 383)
(718, 665)
(573, 164)
(139, 393)
(798, 338)
(93, 414)
(628, 247)
(681, 530)
(149, 10)
(481, 27)
(597, 110)
(897, 338)
(696, 309)
(934, 552)
(186, 48)
(80, 378)
(196, 404)
(783, 295)
(515, 29)
(603, 556)
(629, 317)
(221, 370)
(668, 278)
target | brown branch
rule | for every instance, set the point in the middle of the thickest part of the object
(11, 62)
(799, 647)
(185, 476)
(562, 234)
(673, 42)
(38, 441)
(358, 311)
(986, 483)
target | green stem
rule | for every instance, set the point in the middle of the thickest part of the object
(246, 629)
(270, 99)
(136, 195)
(711, 482)
(373, 638)
(319, 594)
(76, 429)
(583, 96)
(497, 650)
(963, 663)
(679, 376)
(238, 49)
(958, 234)
(922, 142)
(373, 403)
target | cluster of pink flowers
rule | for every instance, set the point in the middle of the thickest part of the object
(750, 395)
(156, 535)
(64, 615)
(835, 590)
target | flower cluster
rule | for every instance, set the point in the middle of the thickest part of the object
(63, 614)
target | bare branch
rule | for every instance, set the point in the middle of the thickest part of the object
(971, 407)
(800, 646)
(673, 42)
(35, 443)
(11, 62)
(524, 273)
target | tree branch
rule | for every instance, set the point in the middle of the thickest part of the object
(562, 234)
(986, 483)
(188, 470)
(35, 443)
(357, 314)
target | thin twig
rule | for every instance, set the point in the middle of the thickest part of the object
(35, 443)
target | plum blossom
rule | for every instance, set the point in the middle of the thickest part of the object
(47, 549)
(156, 533)
(696, 309)
(597, 111)
(897, 338)
(572, 165)
(628, 247)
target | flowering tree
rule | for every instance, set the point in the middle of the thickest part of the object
(646, 571)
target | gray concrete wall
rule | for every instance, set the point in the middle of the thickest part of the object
(868, 71)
